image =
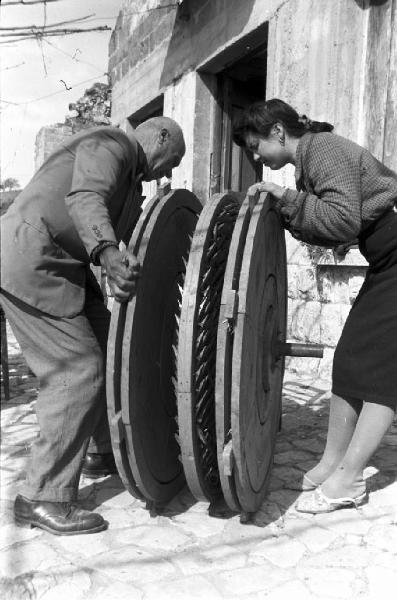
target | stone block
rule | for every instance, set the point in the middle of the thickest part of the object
(335, 582)
(314, 538)
(129, 563)
(302, 282)
(160, 538)
(283, 552)
(297, 253)
(333, 318)
(355, 284)
(381, 582)
(195, 587)
(219, 557)
(264, 578)
(305, 321)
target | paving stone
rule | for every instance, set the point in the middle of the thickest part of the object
(114, 498)
(382, 583)
(195, 587)
(217, 558)
(235, 533)
(66, 584)
(28, 556)
(383, 537)
(384, 497)
(203, 526)
(282, 446)
(283, 552)
(130, 563)
(291, 457)
(285, 499)
(386, 560)
(115, 590)
(11, 534)
(352, 557)
(311, 445)
(159, 538)
(128, 517)
(349, 520)
(287, 474)
(82, 545)
(275, 483)
(247, 580)
(334, 582)
(293, 590)
(315, 538)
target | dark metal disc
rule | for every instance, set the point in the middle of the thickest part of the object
(257, 373)
(148, 363)
(197, 343)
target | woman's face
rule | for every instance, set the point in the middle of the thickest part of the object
(269, 150)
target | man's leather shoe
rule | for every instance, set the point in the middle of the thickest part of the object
(60, 518)
(99, 465)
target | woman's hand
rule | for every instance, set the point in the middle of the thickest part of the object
(267, 186)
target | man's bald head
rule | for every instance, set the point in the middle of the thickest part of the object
(163, 144)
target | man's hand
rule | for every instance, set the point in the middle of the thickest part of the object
(267, 186)
(122, 270)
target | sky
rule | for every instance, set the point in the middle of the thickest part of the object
(32, 93)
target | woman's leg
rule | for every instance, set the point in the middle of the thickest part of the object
(343, 418)
(347, 478)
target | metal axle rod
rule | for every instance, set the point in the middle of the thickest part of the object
(293, 349)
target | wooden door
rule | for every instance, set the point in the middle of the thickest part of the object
(237, 168)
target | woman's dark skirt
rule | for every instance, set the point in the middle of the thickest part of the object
(365, 361)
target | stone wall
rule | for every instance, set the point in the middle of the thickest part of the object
(321, 291)
(47, 139)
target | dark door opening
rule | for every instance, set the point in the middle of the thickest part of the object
(239, 85)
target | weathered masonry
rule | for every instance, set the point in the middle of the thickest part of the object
(202, 61)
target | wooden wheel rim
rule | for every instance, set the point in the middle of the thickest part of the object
(119, 440)
(147, 394)
(257, 372)
(201, 471)
(224, 357)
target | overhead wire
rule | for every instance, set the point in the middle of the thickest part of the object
(74, 85)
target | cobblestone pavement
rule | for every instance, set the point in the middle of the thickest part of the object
(182, 553)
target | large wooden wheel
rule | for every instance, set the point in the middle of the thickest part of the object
(197, 343)
(141, 356)
(259, 328)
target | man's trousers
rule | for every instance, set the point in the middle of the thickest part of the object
(68, 356)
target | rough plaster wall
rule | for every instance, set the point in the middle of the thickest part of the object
(317, 58)
(380, 92)
(179, 104)
(317, 62)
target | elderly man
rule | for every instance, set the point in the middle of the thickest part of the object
(77, 208)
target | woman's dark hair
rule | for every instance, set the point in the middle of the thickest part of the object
(260, 117)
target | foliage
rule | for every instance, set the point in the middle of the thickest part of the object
(10, 183)
(93, 108)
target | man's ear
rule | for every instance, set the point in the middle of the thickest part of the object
(164, 134)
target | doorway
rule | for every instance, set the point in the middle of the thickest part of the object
(239, 84)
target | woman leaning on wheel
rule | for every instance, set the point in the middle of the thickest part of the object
(343, 193)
